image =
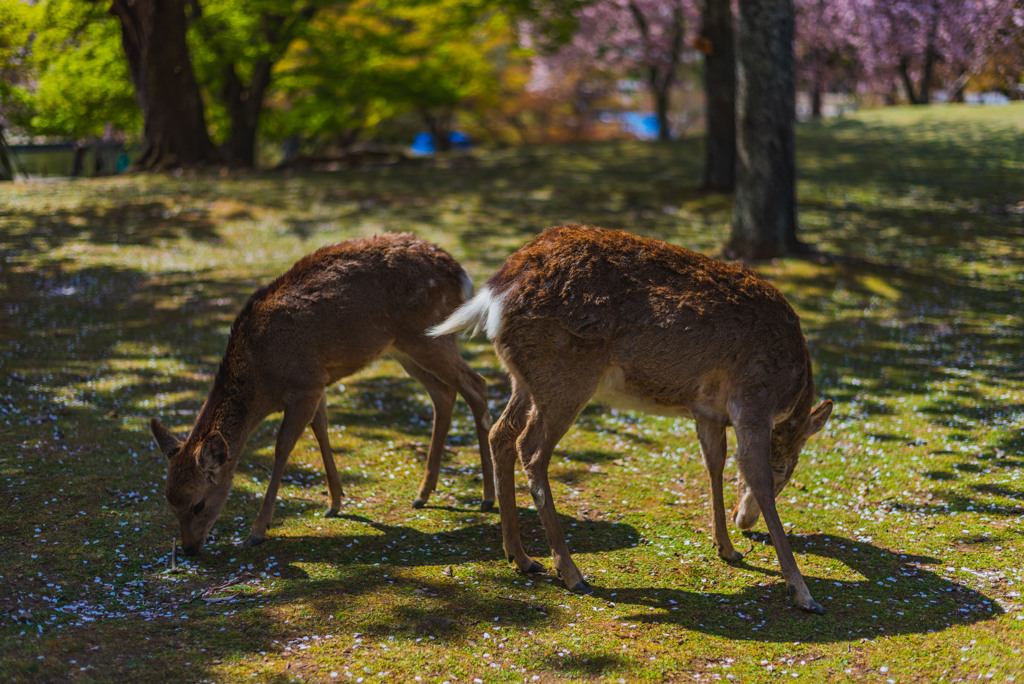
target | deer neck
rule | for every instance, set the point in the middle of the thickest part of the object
(227, 410)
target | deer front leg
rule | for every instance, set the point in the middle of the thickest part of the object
(754, 460)
(712, 444)
(319, 426)
(296, 417)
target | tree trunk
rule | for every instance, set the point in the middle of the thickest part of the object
(153, 36)
(661, 77)
(817, 88)
(78, 159)
(440, 127)
(244, 105)
(930, 55)
(764, 210)
(908, 82)
(720, 94)
(661, 105)
(6, 167)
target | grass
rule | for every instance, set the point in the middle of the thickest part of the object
(906, 513)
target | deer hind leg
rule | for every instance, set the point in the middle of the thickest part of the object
(473, 389)
(503, 440)
(319, 426)
(753, 457)
(442, 396)
(298, 413)
(544, 427)
(551, 417)
(712, 445)
(441, 358)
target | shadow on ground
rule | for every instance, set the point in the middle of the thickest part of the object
(907, 599)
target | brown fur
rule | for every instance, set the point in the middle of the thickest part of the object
(330, 315)
(588, 312)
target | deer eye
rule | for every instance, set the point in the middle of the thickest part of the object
(197, 509)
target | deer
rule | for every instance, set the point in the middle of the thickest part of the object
(333, 313)
(583, 312)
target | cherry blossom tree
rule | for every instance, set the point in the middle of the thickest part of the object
(914, 44)
(826, 47)
(647, 38)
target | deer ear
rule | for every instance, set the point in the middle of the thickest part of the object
(818, 418)
(213, 455)
(165, 439)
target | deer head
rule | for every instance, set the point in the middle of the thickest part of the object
(197, 481)
(788, 438)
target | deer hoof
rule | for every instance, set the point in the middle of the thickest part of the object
(252, 541)
(486, 506)
(582, 587)
(419, 503)
(332, 512)
(736, 557)
(534, 569)
(813, 607)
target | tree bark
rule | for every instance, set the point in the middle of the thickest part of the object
(244, 102)
(244, 105)
(153, 36)
(78, 159)
(439, 125)
(817, 97)
(6, 167)
(930, 56)
(720, 95)
(908, 82)
(764, 209)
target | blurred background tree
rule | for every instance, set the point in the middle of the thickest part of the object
(194, 82)
(230, 81)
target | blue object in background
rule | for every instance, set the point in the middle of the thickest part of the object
(459, 141)
(643, 125)
(423, 144)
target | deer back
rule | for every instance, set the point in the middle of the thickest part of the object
(341, 306)
(675, 328)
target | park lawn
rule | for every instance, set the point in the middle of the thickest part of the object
(906, 512)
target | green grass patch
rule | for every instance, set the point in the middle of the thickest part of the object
(906, 512)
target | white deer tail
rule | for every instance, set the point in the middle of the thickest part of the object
(482, 313)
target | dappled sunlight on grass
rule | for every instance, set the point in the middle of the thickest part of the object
(906, 512)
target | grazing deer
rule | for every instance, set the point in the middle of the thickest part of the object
(584, 312)
(333, 313)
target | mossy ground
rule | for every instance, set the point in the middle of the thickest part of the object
(906, 513)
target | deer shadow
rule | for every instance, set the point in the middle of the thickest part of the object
(401, 546)
(897, 596)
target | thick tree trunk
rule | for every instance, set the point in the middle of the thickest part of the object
(720, 94)
(153, 35)
(764, 210)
